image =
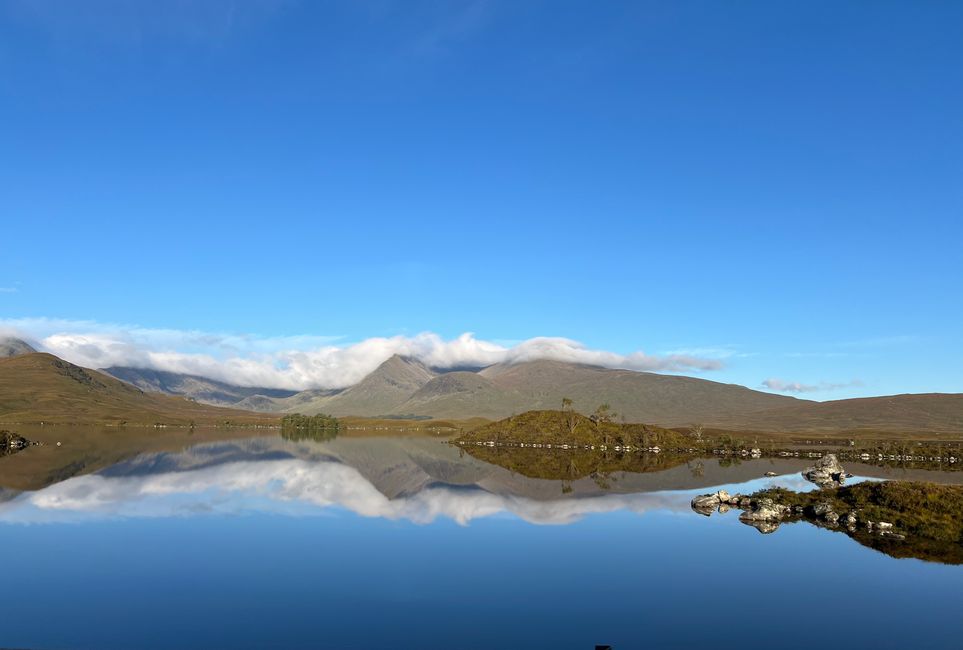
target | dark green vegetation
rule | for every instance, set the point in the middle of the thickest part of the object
(309, 427)
(928, 510)
(570, 427)
(39, 387)
(930, 515)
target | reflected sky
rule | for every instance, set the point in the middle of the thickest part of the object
(389, 544)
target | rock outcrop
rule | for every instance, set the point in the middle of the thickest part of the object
(764, 510)
(705, 504)
(827, 472)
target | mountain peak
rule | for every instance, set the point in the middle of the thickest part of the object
(14, 347)
(402, 370)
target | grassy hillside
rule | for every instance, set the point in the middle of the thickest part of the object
(40, 387)
(667, 400)
(931, 412)
(455, 394)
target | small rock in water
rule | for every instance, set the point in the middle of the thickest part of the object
(826, 472)
(765, 510)
(764, 527)
(704, 504)
(770, 474)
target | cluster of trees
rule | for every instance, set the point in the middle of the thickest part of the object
(603, 413)
(314, 427)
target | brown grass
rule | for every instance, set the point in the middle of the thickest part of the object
(42, 388)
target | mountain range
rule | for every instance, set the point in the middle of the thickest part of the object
(405, 387)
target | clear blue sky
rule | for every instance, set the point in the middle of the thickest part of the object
(777, 183)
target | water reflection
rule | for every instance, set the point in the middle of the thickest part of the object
(299, 486)
(414, 480)
(417, 481)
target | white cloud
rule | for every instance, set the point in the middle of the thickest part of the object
(783, 386)
(8, 290)
(301, 362)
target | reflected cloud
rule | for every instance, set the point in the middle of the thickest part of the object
(299, 487)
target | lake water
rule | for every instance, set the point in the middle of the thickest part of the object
(412, 543)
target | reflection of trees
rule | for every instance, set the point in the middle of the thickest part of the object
(318, 435)
(571, 465)
(601, 480)
(697, 468)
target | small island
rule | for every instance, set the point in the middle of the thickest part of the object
(900, 518)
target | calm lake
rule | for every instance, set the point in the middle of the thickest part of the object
(267, 542)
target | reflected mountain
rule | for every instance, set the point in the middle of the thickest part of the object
(419, 480)
(414, 480)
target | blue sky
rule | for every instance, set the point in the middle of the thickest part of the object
(774, 186)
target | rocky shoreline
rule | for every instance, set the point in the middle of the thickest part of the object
(875, 513)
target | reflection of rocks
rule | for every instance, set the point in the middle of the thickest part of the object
(928, 517)
(706, 504)
(827, 472)
(11, 443)
(764, 527)
(714, 500)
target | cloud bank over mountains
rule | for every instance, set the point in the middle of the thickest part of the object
(303, 362)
